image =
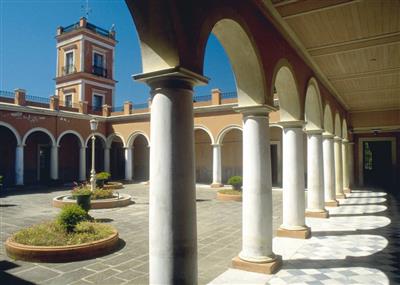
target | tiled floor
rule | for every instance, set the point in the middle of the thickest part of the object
(359, 244)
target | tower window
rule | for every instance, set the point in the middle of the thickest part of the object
(99, 65)
(68, 100)
(97, 102)
(69, 63)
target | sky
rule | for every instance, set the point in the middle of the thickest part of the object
(28, 47)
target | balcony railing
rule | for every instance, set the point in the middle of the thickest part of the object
(7, 94)
(68, 69)
(201, 98)
(89, 26)
(99, 71)
(229, 95)
(117, 109)
(141, 106)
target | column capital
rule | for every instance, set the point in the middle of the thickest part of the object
(291, 124)
(128, 147)
(346, 141)
(216, 144)
(175, 77)
(21, 145)
(314, 132)
(255, 110)
(337, 139)
(326, 135)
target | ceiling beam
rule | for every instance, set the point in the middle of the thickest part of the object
(348, 76)
(355, 44)
(294, 9)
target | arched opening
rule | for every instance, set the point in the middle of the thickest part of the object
(37, 155)
(141, 158)
(313, 107)
(276, 155)
(99, 147)
(287, 92)
(203, 156)
(338, 126)
(117, 158)
(7, 153)
(328, 121)
(68, 157)
(231, 154)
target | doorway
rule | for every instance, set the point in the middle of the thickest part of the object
(377, 164)
(44, 163)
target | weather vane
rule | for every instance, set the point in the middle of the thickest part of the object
(86, 9)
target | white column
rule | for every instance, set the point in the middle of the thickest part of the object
(257, 188)
(54, 162)
(82, 164)
(128, 163)
(315, 175)
(345, 160)
(329, 170)
(217, 181)
(107, 159)
(351, 164)
(293, 195)
(338, 168)
(172, 213)
(19, 165)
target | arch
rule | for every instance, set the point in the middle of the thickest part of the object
(313, 106)
(12, 129)
(338, 127)
(53, 140)
(200, 127)
(224, 131)
(111, 137)
(245, 61)
(134, 135)
(70, 132)
(97, 135)
(286, 88)
(344, 130)
(328, 120)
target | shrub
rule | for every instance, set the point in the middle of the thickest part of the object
(102, 194)
(70, 216)
(236, 182)
(83, 189)
(103, 175)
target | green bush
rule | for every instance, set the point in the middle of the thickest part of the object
(102, 194)
(83, 189)
(70, 216)
(236, 182)
(103, 175)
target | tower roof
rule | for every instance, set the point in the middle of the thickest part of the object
(84, 24)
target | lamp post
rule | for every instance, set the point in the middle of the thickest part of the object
(93, 128)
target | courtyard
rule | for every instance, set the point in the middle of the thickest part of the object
(359, 244)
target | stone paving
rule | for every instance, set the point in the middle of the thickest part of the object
(219, 238)
(359, 244)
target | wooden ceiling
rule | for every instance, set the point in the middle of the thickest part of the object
(354, 43)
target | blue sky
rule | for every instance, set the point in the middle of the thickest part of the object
(28, 53)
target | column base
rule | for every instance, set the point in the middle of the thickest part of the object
(347, 190)
(334, 203)
(300, 234)
(322, 214)
(340, 196)
(216, 185)
(265, 267)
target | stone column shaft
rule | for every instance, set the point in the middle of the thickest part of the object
(54, 163)
(107, 159)
(217, 181)
(338, 168)
(293, 195)
(172, 229)
(82, 164)
(128, 163)
(345, 159)
(19, 165)
(315, 176)
(351, 164)
(329, 171)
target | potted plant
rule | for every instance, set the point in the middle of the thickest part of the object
(83, 194)
(102, 178)
(236, 182)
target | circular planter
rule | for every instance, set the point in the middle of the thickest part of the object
(113, 185)
(124, 200)
(62, 253)
(229, 197)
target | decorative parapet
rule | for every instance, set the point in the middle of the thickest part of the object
(106, 111)
(54, 103)
(83, 107)
(215, 96)
(127, 107)
(20, 97)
